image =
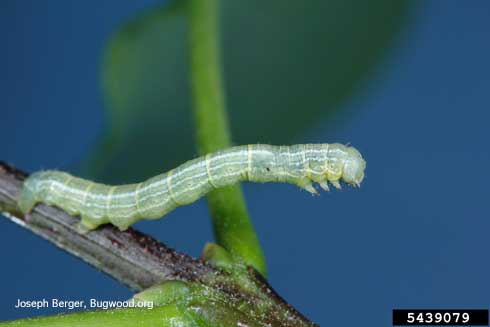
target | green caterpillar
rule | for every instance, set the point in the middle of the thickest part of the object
(124, 205)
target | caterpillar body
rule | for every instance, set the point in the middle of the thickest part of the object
(124, 205)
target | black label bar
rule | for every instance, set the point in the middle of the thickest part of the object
(440, 317)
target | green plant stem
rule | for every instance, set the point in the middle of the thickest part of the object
(232, 226)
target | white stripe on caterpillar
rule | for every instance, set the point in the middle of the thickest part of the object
(125, 204)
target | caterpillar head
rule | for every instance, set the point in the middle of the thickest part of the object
(335, 162)
(354, 166)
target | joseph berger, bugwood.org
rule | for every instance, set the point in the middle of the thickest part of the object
(92, 303)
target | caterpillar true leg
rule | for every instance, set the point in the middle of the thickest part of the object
(336, 184)
(324, 186)
(310, 188)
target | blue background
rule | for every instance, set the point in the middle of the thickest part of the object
(415, 234)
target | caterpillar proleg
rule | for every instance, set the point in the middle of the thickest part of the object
(124, 205)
